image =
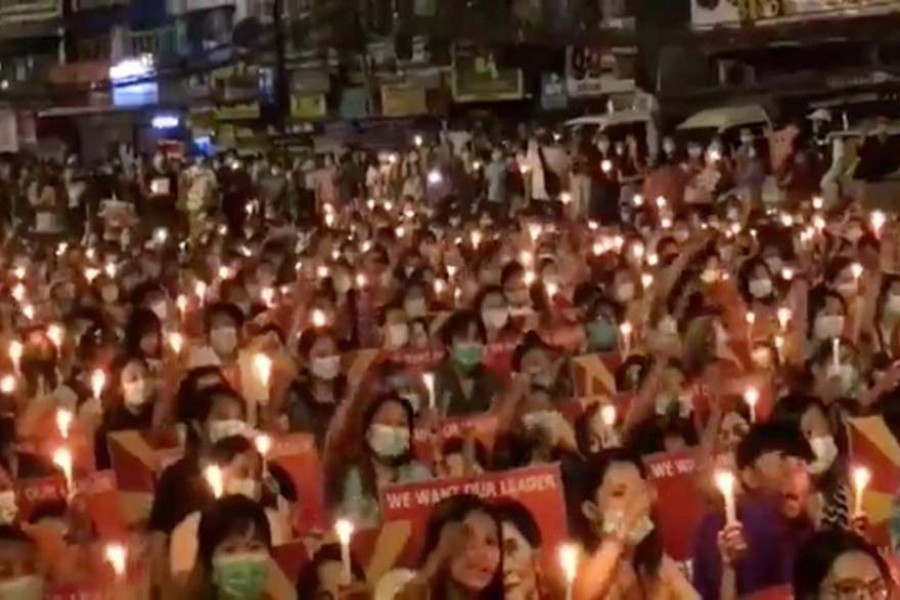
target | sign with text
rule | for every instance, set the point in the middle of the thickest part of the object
(600, 71)
(716, 13)
(483, 428)
(538, 489)
(673, 474)
(478, 78)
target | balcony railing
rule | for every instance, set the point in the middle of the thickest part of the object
(29, 10)
(84, 5)
(160, 43)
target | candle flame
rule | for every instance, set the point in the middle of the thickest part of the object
(344, 530)
(215, 480)
(98, 382)
(56, 334)
(608, 415)
(263, 444)
(64, 418)
(176, 342)
(568, 561)
(117, 556)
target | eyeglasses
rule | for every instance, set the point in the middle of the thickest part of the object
(853, 589)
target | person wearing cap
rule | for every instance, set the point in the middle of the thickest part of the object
(759, 550)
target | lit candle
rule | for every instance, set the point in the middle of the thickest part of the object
(565, 197)
(568, 562)
(262, 364)
(534, 230)
(344, 530)
(64, 420)
(836, 352)
(861, 479)
(176, 342)
(56, 334)
(652, 259)
(20, 273)
(877, 219)
(110, 269)
(98, 382)
(530, 277)
(725, 484)
(818, 202)
(8, 384)
(787, 274)
(389, 206)
(182, 303)
(28, 311)
(784, 317)
(117, 557)
(322, 271)
(16, 348)
(626, 329)
(646, 280)
(318, 318)
(62, 458)
(552, 289)
(608, 417)
(263, 445)
(215, 480)
(779, 347)
(18, 293)
(360, 281)
(606, 165)
(751, 397)
(476, 238)
(439, 287)
(329, 220)
(857, 270)
(267, 295)
(200, 290)
(428, 378)
(224, 273)
(751, 318)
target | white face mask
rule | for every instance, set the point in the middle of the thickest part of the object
(325, 367)
(397, 334)
(828, 326)
(223, 340)
(135, 394)
(388, 441)
(826, 450)
(249, 488)
(613, 518)
(892, 305)
(219, 430)
(760, 288)
(415, 307)
(495, 318)
(848, 289)
(625, 292)
(28, 587)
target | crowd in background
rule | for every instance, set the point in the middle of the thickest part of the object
(232, 300)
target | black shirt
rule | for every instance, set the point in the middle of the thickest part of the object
(181, 490)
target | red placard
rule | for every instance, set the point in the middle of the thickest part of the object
(296, 453)
(539, 489)
(95, 494)
(673, 474)
(483, 427)
(138, 457)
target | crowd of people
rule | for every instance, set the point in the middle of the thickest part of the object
(456, 310)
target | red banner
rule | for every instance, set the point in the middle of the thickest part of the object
(483, 427)
(539, 489)
(673, 474)
(95, 495)
(138, 457)
(297, 455)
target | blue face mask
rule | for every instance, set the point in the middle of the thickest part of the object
(602, 336)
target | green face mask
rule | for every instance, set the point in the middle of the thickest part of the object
(602, 336)
(241, 576)
(466, 356)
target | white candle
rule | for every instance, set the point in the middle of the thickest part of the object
(784, 317)
(117, 556)
(608, 416)
(62, 458)
(215, 480)
(751, 397)
(262, 364)
(98, 382)
(428, 378)
(8, 384)
(836, 352)
(878, 219)
(568, 562)
(64, 420)
(626, 329)
(15, 354)
(56, 334)
(344, 530)
(263, 443)
(861, 478)
(725, 484)
(176, 342)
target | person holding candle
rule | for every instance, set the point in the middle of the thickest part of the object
(829, 469)
(143, 338)
(383, 457)
(828, 316)
(242, 474)
(623, 552)
(132, 403)
(463, 385)
(834, 372)
(759, 551)
(502, 333)
(322, 577)
(516, 289)
(883, 328)
(223, 324)
(312, 399)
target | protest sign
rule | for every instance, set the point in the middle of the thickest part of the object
(95, 496)
(297, 456)
(482, 427)
(538, 489)
(138, 457)
(595, 374)
(673, 474)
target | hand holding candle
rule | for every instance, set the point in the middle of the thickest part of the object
(344, 530)
(215, 480)
(751, 397)
(725, 483)
(568, 562)
(861, 479)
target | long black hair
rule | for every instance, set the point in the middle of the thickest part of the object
(454, 510)
(819, 553)
(648, 554)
